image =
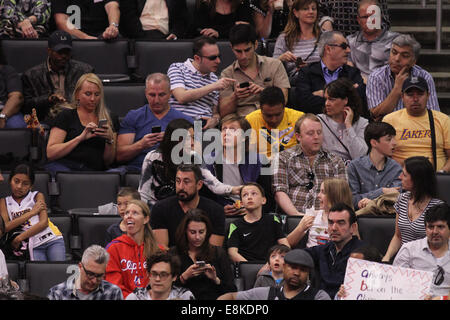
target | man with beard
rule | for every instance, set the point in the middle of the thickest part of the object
(331, 258)
(168, 213)
(48, 87)
(432, 252)
(297, 267)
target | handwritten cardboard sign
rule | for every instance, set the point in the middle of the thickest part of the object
(365, 280)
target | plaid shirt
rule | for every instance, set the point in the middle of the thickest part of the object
(67, 291)
(17, 11)
(291, 175)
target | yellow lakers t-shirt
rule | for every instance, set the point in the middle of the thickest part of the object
(267, 138)
(414, 135)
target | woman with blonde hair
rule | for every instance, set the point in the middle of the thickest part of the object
(83, 138)
(315, 222)
(128, 253)
(296, 46)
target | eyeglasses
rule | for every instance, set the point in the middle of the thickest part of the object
(343, 45)
(310, 184)
(212, 58)
(439, 276)
(92, 275)
(162, 275)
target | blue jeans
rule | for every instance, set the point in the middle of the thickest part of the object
(16, 121)
(50, 251)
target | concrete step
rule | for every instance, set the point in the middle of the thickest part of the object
(416, 15)
(412, 2)
(442, 81)
(444, 102)
(426, 35)
(432, 61)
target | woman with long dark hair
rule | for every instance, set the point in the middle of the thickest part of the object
(342, 124)
(419, 181)
(205, 269)
(159, 170)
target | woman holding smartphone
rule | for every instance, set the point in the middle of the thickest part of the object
(83, 138)
(205, 269)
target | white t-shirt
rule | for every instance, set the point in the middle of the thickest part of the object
(318, 233)
(3, 267)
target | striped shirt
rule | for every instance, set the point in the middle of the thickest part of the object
(184, 75)
(381, 83)
(411, 230)
(306, 49)
(291, 175)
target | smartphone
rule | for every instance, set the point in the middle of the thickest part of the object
(244, 84)
(298, 62)
(156, 129)
(102, 123)
(201, 264)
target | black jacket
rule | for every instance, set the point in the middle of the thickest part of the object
(131, 10)
(310, 79)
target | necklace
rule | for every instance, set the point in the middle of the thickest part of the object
(415, 209)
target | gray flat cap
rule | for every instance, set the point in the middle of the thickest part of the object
(300, 257)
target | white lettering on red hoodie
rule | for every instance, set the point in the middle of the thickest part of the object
(127, 264)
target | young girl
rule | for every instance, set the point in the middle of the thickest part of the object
(26, 212)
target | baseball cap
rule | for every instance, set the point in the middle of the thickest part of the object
(415, 82)
(300, 257)
(60, 40)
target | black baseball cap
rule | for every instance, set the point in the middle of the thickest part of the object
(415, 82)
(300, 257)
(60, 40)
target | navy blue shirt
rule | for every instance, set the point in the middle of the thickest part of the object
(332, 266)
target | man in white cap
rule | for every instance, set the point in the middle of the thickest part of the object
(297, 267)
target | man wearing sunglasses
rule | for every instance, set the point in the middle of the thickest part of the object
(334, 52)
(194, 84)
(87, 283)
(432, 252)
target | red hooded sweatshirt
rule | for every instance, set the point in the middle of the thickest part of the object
(127, 266)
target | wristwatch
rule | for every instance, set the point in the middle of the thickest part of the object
(3, 116)
(115, 24)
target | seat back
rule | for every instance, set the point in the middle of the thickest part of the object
(157, 56)
(92, 229)
(443, 184)
(86, 189)
(15, 145)
(13, 270)
(121, 99)
(132, 180)
(41, 180)
(24, 54)
(107, 57)
(227, 56)
(42, 275)
(249, 271)
(377, 231)
(289, 226)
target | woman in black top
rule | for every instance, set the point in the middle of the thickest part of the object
(205, 269)
(83, 138)
(215, 18)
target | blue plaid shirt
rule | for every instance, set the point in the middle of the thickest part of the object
(67, 291)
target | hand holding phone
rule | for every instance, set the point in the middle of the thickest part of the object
(244, 84)
(156, 129)
(102, 123)
(200, 264)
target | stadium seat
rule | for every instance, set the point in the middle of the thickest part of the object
(86, 189)
(132, 180)
(42, 275)
(15, 145)
(157, 56)
(13, 270)
(248, 272)
(92, 229)
(109, 58)
(227, 56)
(290, 224)
(122, 98)
(24, 54)
(64, 224)
(443, 184)
(377, 231)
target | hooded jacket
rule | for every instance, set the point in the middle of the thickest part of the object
(127, 264)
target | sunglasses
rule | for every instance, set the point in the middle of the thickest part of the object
(343, 45)
(162, 275)
(92, 275)
(439, 276)
(212, 58)
(310, 184)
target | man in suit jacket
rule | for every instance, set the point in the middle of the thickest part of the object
(334, 51)
(147, 19)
